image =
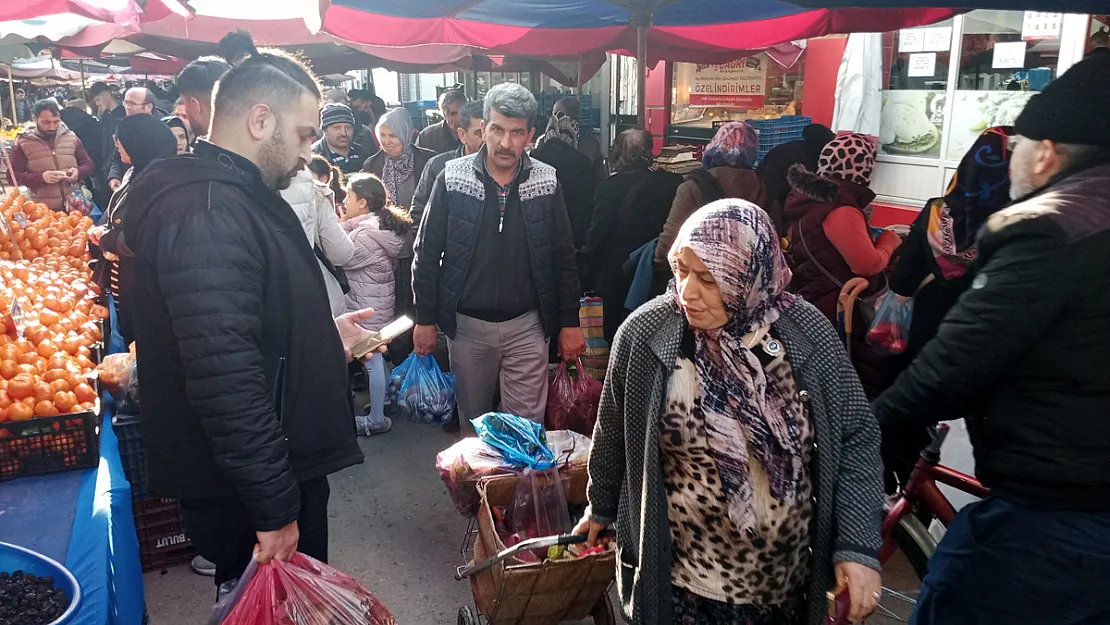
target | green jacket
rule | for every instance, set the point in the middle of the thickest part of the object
(626, 481)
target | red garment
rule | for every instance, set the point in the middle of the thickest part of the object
(846, 228)
(33, 180)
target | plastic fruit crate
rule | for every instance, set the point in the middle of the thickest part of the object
(775, 132)
(163, 542)
(132, 453)
(49, 444)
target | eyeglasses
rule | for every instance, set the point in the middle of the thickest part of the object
(131, 104)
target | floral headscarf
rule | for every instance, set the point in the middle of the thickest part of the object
(397, 169)
(980, 188)
(743, 406)
(736, 144)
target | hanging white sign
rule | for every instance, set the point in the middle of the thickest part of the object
(911, 40)
(1039, 25)
(1009, 55)
(923, 65)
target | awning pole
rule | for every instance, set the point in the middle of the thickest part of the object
(641, 20)
(81, 64)
(11, 92)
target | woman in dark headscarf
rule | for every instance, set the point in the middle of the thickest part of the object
(399, 164)
(933, 266)
(180, 132)
(141, 139)
(559, 148)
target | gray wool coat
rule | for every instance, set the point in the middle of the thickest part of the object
(627, 489)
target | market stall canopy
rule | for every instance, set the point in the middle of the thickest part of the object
(677, 30)
(95, 10)
(1058, 6)
(42, 67)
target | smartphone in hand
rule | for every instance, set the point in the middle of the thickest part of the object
(367, 346)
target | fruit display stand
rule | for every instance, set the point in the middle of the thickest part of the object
(79, 517)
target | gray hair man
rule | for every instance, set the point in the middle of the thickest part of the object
(1023, 353)
(443, 137)
(247, 389)
(504, 280)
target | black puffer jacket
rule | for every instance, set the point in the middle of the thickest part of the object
(464, 200)
(1023, 352)
(242, 372)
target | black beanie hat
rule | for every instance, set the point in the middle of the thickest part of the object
(1073, 108)
(145, 138)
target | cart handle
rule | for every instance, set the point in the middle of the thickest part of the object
(542, 542)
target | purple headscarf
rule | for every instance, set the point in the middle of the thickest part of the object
(736, 144)
(743, 406)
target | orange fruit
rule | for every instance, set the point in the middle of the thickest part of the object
(64, 402)
(83, 391)
(9, 369)
(20, 412)
(45, 409)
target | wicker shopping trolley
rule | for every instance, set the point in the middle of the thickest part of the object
(510, 592)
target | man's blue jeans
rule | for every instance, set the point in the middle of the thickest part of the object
(1005, 564)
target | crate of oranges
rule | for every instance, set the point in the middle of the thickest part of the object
(50, 328)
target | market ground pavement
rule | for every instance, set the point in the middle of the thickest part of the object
(392, 526)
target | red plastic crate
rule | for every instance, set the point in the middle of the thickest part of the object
(163, 542)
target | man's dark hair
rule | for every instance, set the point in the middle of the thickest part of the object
(100, 87)
(271, 76)
(571, 106)
(470, 111)
(20, 92)
(357, 94)
(451, 96)
(199, 77)
(633, 149)
(47, 104)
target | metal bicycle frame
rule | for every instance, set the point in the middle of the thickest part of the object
(922, 491)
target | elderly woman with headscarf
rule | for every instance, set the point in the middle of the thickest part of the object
(830, 239)
(630, 207)
(141, 139)
(726, 173)
(704, 455)
(558, 147)
(399, 164)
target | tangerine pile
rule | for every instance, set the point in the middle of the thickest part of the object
(46, 372)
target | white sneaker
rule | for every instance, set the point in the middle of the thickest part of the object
(366, 427)
(203, 567)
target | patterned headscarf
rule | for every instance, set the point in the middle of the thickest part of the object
(849, 157)
(737, 242)
(397, 169)
(980, 188)
(736, 144)
(562, 127)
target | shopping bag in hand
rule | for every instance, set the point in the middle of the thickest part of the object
(521, 441)
(890, 330)
(303, 591)
(573, 399)
(539, 508)
(428, 394)
(397, 379)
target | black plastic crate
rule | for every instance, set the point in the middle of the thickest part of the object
(49, 444)
(132, 453)
(163, 542)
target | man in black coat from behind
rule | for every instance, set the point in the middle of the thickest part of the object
(243, 372)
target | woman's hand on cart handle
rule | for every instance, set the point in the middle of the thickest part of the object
(592, 529)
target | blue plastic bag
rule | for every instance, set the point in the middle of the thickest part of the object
(522, 442)
(397, 379)
(890, 331)
(428, 394)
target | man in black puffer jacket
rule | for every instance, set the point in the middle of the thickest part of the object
(1023, 355)
(242, 372)
(495, 267)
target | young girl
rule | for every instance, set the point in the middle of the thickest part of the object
(324, 172)
(377, 231)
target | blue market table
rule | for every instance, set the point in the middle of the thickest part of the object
(83, 519)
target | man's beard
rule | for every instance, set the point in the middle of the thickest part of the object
(272, 163)
(48, 134)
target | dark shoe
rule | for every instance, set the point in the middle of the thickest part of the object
(452, 426)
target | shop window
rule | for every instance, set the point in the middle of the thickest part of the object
(916, 65)
(763, 86)
(1006, 57)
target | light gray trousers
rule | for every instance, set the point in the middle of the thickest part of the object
(512, 353)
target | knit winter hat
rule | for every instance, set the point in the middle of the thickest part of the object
(1072, 108)
(849, 157)
(335, 113)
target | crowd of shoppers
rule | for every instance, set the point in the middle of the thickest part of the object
(726, 376)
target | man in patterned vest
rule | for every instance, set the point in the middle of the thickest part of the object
(50, 159)
(495, 266)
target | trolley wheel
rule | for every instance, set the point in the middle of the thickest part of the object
(466, 616)
(602, 613)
